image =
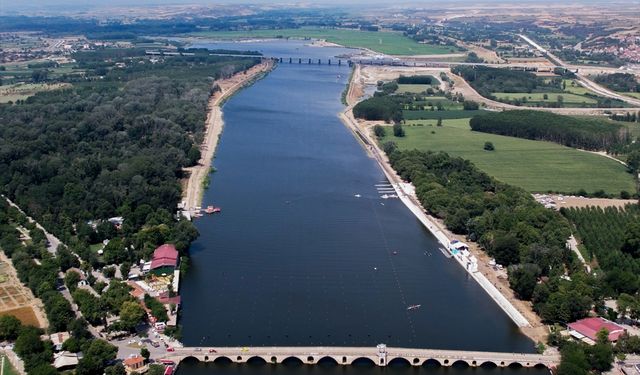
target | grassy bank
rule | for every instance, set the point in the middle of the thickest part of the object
(392, 43)
(533, 165)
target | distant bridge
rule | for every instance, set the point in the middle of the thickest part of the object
(380, 355)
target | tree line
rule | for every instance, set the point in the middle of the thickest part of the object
(589, 134)
(507, 223)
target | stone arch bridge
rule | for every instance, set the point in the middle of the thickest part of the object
(380, 355)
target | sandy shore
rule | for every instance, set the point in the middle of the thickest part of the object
(494, 282)
(193, 189)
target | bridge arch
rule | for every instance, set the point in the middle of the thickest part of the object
(362, 361)
(292, 360)
(460, 363)
(326, 360)
(190, 358)
(398, 361)
(256, 359)
(431, 362)
(222, 359)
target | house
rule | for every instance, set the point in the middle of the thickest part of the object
(165, 259)
(66, 360)
(587, 329)
(134, 363)
(57, 339)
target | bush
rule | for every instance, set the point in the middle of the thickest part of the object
(488, 146)
(379, 131)
(398, 131)
(469, 105)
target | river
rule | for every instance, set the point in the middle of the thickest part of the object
(306, 252)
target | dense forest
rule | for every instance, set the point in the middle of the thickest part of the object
(488, 80)
(589, 134)
(379, 108)
(623, 82)
(111, 146)
(507, 222)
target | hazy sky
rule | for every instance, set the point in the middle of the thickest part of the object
(55, 6)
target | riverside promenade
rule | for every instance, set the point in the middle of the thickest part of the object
(380, 355)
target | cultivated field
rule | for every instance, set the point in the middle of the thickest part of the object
(392, 43)
(16, 299)
(533, 165)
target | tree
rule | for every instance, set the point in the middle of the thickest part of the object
(633, 161)
(131, 314)
(118, 369)
(631, 243)
(379, 131)
(439, 123)
(398, 131)
(155, 370)
(505, 249)
(469, 105)
(145, 353)
(389, 147)
(523, 279)
(71, 280)
(9, 327)
(488, 146)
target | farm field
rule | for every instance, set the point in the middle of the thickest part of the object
(533, 165)
(21, 91)
(15, 298)
(392, 43)
(568, 97)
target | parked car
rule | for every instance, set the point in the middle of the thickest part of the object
(212, 351)
(170, 349)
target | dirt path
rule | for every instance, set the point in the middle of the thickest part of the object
(193, 190)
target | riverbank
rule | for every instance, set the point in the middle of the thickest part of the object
(496, 285)
(194, 186)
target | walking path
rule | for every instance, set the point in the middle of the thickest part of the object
(52, 246)
(192, 193)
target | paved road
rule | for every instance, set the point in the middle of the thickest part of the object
(584, 80)
(53, 240)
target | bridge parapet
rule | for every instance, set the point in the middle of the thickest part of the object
(380, 355)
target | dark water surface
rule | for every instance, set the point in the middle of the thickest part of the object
(295, 258)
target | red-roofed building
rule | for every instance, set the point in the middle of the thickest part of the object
(165, 257)
(587, 329)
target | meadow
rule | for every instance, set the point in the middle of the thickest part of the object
(391, 43)
(567, 97)
(533, 165)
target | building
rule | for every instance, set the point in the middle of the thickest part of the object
(587, 329)
(57, 339)
(134, 363)
(165, 259)
(65, 360)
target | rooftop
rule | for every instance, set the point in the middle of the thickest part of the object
(589, 327)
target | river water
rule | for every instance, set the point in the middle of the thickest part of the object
(306, 252)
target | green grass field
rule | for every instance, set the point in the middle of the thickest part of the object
(631, 94)
(574, 87)
(412, 89)
(533, 165)
(392, 43)
(429, 115)
(8, 369)
(567, 97)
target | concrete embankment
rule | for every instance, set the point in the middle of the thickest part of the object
(406, 193)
